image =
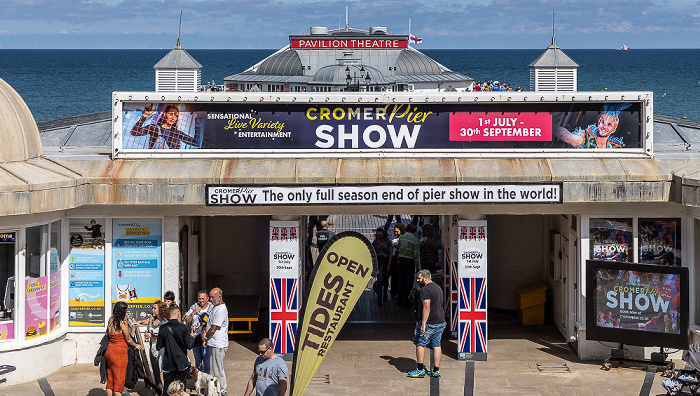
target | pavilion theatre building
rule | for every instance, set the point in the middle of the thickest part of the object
(203, 189)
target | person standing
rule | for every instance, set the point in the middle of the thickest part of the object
(399, 229)
(382, 246)
(116, 357)
(270, 372)
(216, 337)
(429, 249)
(323, 235)
(428, 331)
(196, 318)
(175, 339)
(408, 262)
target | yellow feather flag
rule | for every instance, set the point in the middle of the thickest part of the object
(342, 270)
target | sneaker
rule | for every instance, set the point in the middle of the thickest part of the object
(435, 374)
(416, 373)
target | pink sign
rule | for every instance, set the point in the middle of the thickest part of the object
(37, 304)
(342, 43)
(7, 331)
(55, 292)
(496, 126)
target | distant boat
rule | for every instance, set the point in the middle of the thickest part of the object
(623, 48)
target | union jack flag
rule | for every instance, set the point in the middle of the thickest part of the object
(455, 220)
(481, 233)
(472, 315)
(284, 313)
(292, 233)
(464, 233)
(275, 234)
(454, 297)
(284, 234)
(472, 233)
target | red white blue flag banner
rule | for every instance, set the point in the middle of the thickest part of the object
(472, 325)
(284, 285)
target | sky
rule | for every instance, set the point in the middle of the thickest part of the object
(454, 24)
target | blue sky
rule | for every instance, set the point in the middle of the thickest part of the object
(267, 24)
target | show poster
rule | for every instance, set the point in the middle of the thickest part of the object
(136, 263)
(634, 300)
(610, 239)
(337, 281)
(285, 272)
(36, 307)
(472, 328)
(659, 242)
(86, 272)
(312, 127)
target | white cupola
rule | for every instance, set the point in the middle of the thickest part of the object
(553, 70)
(178, 71)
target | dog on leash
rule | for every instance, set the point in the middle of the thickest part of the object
(204, 384)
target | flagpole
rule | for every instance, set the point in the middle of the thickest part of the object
(409, 32)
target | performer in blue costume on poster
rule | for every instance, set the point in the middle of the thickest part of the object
(599, 135)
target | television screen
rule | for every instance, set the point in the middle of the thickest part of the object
(637, 304)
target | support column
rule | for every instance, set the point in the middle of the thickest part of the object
(285, 282)
(471, 269)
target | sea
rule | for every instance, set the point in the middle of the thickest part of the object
(64, 83)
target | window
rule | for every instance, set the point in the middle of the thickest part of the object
(611, 239)
(36, 281)
(7, 285)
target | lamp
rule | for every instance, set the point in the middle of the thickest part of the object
(354, 81)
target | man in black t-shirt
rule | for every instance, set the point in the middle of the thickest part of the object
(323, 235)
(429, 329)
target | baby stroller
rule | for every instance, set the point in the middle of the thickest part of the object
(685, 382)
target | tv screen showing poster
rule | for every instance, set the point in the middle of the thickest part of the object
(637, 304)
(660, 242)
(611, 239)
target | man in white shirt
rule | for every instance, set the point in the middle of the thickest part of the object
(216, 337)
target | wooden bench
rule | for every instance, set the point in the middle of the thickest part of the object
(243, 314)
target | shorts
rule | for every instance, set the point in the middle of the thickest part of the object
(432, 336)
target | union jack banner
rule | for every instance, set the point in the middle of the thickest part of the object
(285, 233)
(292, 233)
(481, 233)
(455, 219)
(284, 313)
(464, 233)
(472, 315)
(454, 297)
(472, 233)
(275, 233)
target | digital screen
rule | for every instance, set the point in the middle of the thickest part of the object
(637, 304)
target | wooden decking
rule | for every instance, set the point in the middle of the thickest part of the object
(368, 311)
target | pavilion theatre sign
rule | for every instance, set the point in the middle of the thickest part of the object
(450, 124)
(226, 195)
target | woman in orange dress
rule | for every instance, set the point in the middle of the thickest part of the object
(116, 354)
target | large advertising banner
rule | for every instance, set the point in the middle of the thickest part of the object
(611, 239)
(86, 272)
(638, 304)
(472, 261)
(157, 126)
(342, 271)
(659, 242)
(136, 263)
(36, 306)
(284, 285)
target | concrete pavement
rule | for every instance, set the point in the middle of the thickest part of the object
(372, 359)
